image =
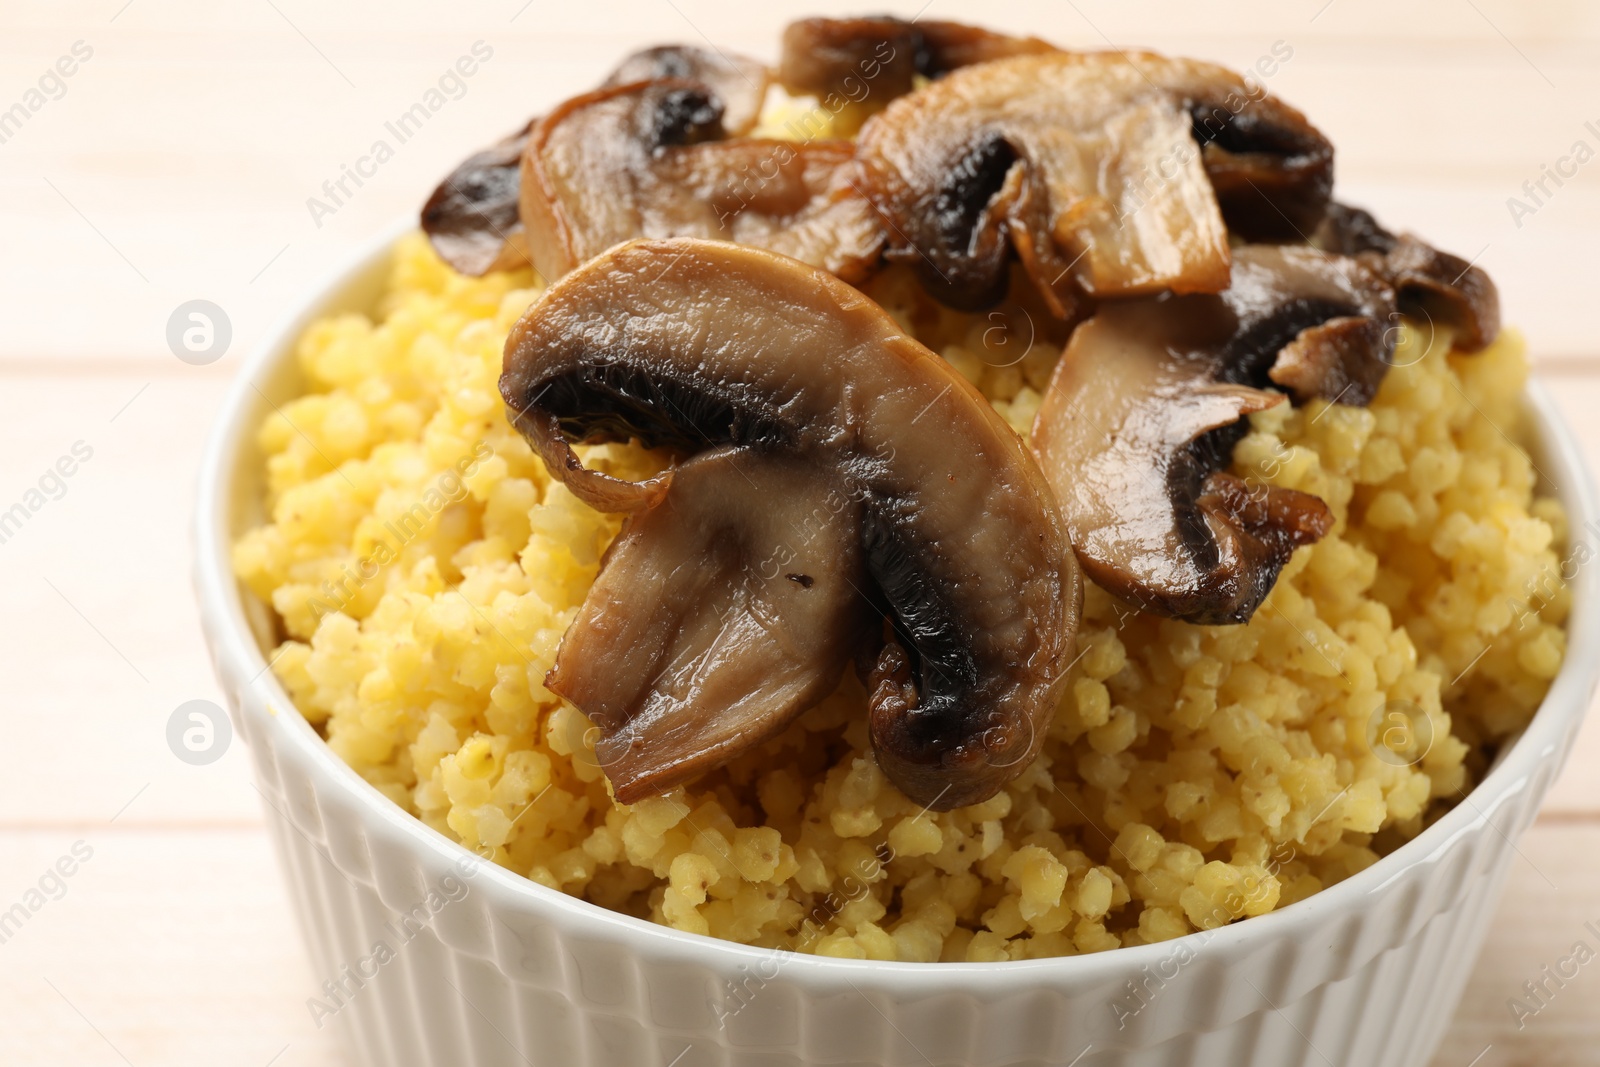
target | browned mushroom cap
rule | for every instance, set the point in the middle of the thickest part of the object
(875, 59)
(1139, 424)
(474, 219)
(740, 83)
(649, 160)
(704, 345)
(1087, 166)
(1431, 284)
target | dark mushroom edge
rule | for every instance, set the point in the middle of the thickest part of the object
(1432, 285)
(872, 60)
(822, 442)
(1142, 415)
(655, 159)
(1106, 174)
(1122, 186)
(474, 219)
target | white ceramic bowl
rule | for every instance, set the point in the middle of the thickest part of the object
(508, 972)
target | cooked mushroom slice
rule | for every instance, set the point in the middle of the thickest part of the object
(1431, 284)
(1086, 165)
(706, 345)
(717, 618)
(947, 46)
(872, 60)
(649, 160)
(740, 83)
(473, 218)
(1139, 424)
(1316, 323)
(1272, 170)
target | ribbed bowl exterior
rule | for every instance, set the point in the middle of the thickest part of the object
(497, 971)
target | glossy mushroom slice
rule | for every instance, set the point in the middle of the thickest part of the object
(473, 218)
(1138, 427)
(872, 60)
(1431, 284)
(786, 375)
(1271, 170)
(717, 617)
(1087, 167)
(739, 82)
(651, 160)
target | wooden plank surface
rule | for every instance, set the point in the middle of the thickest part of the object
(177, 163)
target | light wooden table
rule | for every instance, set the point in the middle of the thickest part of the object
(175, 163)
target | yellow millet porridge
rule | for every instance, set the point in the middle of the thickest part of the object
(424, 567)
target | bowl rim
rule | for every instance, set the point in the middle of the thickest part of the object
(222, 603)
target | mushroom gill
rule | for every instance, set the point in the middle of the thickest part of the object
(1108, 174)
(847, 494)
(473, 218)
(1139, 423)
(651, 159)
(1431, 284)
